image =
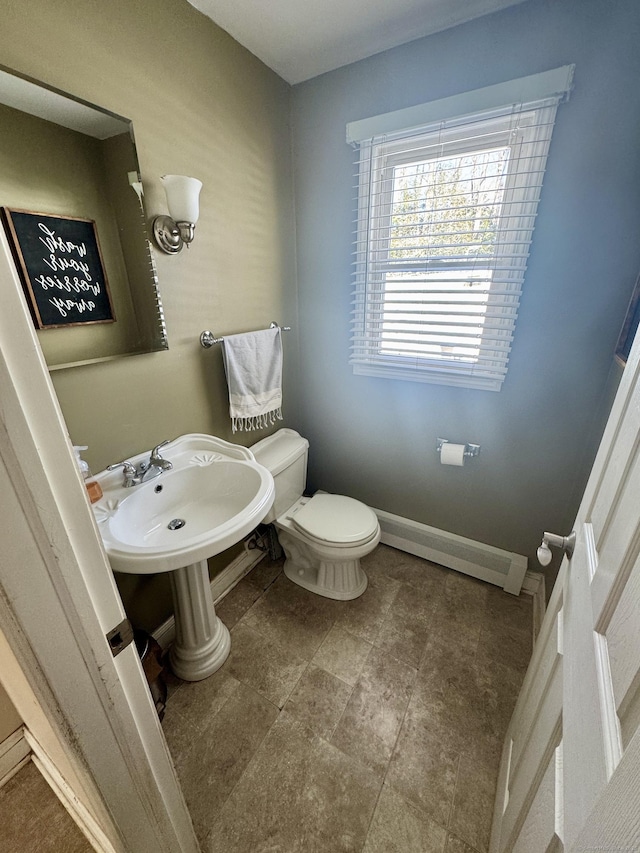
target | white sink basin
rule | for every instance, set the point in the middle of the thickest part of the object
(213, 496)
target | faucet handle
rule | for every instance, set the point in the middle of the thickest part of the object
(128, 467)
(157, 459)
(129, 471)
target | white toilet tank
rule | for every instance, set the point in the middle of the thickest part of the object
(285, 455)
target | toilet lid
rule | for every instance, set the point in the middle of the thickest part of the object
(336, 518)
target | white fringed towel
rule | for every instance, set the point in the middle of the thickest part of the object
(253, 364)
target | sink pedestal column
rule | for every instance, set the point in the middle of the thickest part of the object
(202, 642)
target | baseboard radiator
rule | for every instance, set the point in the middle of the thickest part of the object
(502, 568)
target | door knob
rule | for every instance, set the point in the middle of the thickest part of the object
(567, 543)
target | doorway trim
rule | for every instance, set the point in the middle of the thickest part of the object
(58, 599)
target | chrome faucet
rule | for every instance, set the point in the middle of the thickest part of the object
(157, 461)
(144, 471)
(130, 475)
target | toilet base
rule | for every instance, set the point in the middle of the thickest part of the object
(330, 570)
(340, 581)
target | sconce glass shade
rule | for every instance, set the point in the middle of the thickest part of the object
(182, 197)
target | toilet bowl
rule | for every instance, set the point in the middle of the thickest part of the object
(324, 537)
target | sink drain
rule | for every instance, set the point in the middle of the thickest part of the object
(176, 524)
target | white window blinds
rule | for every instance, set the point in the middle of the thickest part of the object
(446, 213)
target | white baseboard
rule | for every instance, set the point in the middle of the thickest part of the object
(502, 568)
(534, 585)
(78, 811)
(15, 752)
(221, 584)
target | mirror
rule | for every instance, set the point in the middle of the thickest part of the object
(64, 158)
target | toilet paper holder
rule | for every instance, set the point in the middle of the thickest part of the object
(469, 449)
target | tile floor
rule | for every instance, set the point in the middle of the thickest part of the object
(373, 725)
(33, 820)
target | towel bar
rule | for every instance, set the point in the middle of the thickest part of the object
(208, 339)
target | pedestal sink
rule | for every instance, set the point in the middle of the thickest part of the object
(213, 496)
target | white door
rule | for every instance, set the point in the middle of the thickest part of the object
(58, 599)
(570, 773)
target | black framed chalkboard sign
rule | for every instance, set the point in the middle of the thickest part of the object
(61, 267)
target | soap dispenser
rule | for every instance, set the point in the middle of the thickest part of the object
(94, 490)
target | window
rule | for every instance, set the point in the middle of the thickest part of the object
(446, 213)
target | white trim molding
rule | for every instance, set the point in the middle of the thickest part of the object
(81, 815)
(554, 83)
(534, 585)
(14, 754)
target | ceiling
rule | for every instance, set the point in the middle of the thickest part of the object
(300, 39)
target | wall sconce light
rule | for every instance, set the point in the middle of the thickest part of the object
(173, 231)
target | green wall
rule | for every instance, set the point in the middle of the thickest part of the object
(201, 105)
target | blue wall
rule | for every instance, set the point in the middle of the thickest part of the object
(374, 438)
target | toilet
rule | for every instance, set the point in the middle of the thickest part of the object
(324, 537)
